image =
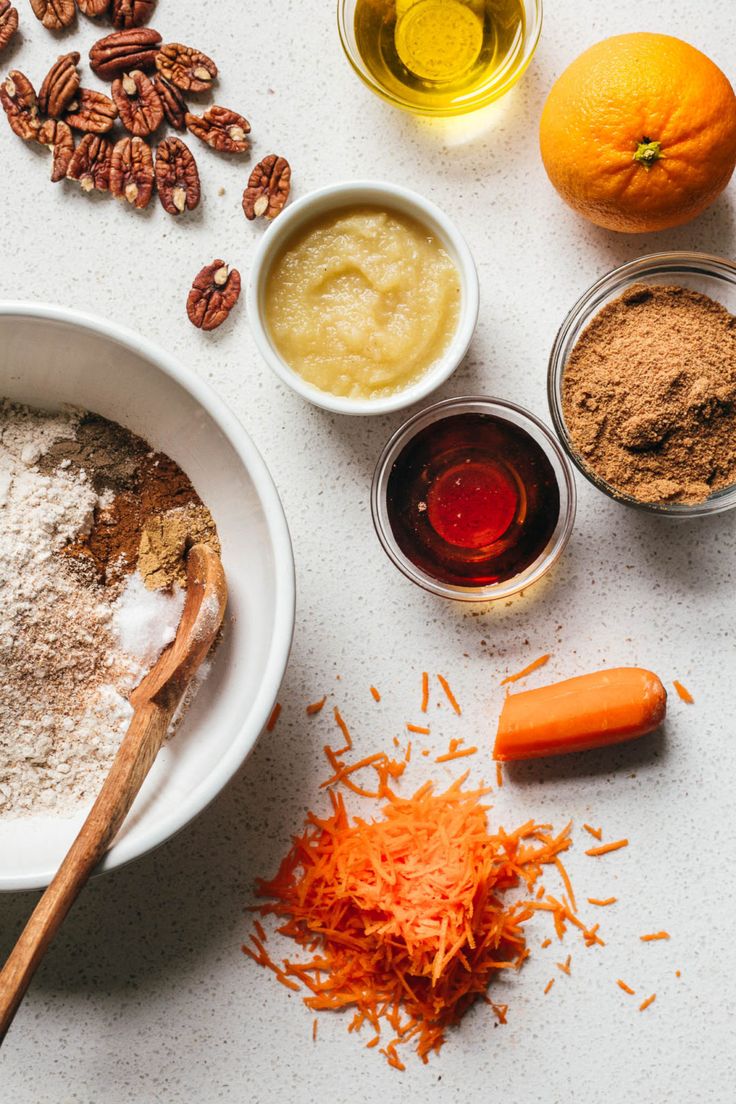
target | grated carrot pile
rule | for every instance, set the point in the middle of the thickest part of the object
(404, 918)
(683, 693)
(534, 666)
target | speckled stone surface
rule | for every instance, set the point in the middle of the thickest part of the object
(146, 996)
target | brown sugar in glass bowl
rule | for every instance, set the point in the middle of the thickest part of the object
(697, 273)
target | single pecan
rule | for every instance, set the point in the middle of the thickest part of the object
(91, 111)
(177, 177)
(220, 128)
(54, 14)
(187, 68)
(131, 172)
(8, 22)
(132, 13)
(18, 97)
(214, 293)
(90, 163)
(60, 85)
(93, 8)
(123, 51)
(57, 135)
(172, 101)
(268, 188)
(138, 103)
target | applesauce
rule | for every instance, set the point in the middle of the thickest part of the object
(362, 301)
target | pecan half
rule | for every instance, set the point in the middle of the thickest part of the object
(18, 97)
(123, 51)
(138, 103)
(91, 111)
(268, 188)
(60, 85)
(90, 163)
(176, 177)
(8, 22)
(220, 128)
(131, 172)
(54, 14)
(57, 135)
(187, 68)
(214, 293)
(132, 13)
(93, 8)
(172, 101)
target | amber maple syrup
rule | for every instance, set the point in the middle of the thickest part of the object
(472, 499)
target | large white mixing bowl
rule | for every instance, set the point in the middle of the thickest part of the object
(50, 356)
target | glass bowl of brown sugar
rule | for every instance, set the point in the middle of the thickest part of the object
(642, 384)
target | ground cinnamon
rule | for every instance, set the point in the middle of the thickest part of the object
(649, 395)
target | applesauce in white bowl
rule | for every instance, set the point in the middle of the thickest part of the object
(51, 357)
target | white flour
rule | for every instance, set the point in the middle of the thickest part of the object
(64, 673)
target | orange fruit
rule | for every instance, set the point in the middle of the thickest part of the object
(639, 133)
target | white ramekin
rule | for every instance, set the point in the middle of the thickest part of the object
(375, 193)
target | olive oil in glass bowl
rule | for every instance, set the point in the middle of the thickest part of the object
(440, 57)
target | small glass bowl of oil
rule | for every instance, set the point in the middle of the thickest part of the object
(439, 57)
(473, 499)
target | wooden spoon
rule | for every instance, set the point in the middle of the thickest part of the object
(154, 702)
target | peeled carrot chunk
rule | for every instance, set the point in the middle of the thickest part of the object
(590, 711)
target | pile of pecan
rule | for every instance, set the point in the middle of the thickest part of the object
(148, 79)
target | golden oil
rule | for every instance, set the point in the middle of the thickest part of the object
(441, 57)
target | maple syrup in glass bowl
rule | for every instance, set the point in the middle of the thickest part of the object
(473, 499)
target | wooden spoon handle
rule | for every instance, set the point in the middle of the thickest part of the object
(132, 763)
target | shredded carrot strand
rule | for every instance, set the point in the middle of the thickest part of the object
(596, 833)
(546, 943)
(275, 714)
(376, 696)
(645, 1003)
(259, 930)
(344, 729)
(567, 883)
(407, 754)
(314, 1030)
(653, 936)
(683, 692)
(678, 973)
(548, 986)
(425, 691)
(317, 706)
(499, 775)
(500, 1011)
(606, 847)
(419, 729)
(565, 966)
(449, 694)
(459, 754)
(626, 988)
(602, 901)
(535, 665)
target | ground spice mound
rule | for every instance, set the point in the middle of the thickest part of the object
(405, 918)
(649, 395)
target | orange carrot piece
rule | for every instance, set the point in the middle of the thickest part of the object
(527, 670)
(500, 1011)
(376, 696)
(344, 729)
(314, 1030)
(460, 754)
(602, 901)
(259, 930)
(654, 936)
(626, 988)
(566, 882)
(596, 833)
(425, 691)
(275, 714)
(317, 706)
(426, 751)
(645, 1004)
(449, 694)
(546, 943)
(421, 731)
(683, 693)
(407, 753)
(605, 848)
(373, 1042)
(678, 973)
(548, 986)
(565, 966)
(499, 775)
(596, 710)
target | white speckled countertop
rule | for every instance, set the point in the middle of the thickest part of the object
(145, 996)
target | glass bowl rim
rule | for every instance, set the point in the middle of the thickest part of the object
(529, 47)
(564, 475)
(581, 314)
